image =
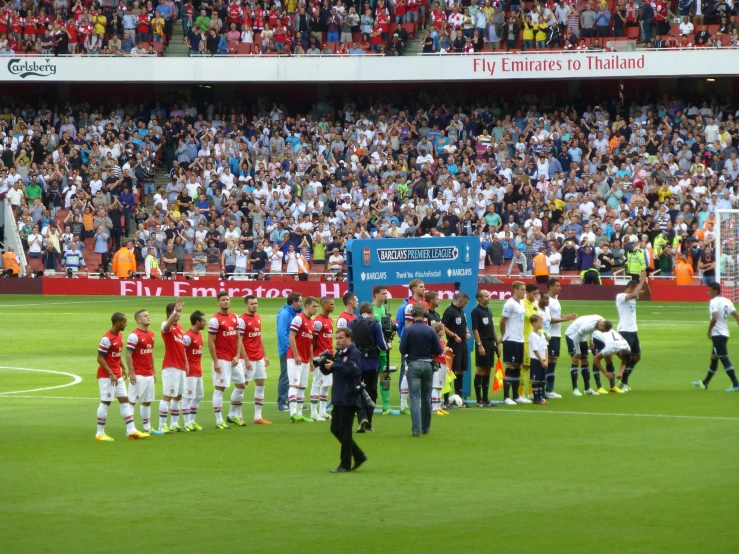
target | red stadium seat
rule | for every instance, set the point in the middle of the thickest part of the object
(410, 28)
(158, 48)
(632, 33)
(244, 48)
(334, 46)
(233, 47)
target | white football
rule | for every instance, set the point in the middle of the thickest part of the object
(456, 400)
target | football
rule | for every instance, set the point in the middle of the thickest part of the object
(456, 400)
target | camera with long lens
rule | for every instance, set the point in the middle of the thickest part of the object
(367, 402)
(320, 361)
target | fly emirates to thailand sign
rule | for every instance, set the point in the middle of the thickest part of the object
(378, 69)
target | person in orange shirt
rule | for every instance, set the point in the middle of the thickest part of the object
(683, 272)
(124, 261)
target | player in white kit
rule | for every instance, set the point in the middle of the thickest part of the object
(605, 345)
(720, 309)
(511, 331)
(552, 313)
(626, 306)
(577, 336)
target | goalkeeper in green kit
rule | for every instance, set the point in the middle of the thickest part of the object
(379, 300)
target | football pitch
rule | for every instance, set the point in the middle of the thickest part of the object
(653, 470)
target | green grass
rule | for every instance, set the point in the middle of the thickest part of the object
(654, 470)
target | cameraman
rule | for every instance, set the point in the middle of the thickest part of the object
(370, 342)
(382, 316)
(347, 371)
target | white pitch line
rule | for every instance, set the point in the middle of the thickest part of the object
(76, 379)
(492, 411)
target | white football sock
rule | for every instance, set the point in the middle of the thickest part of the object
(292, 400)
(237, 398)
(145, 417)
(163, 412)
(314, 394)
(102, 417)
(174, 412)
(194, 403)
(217, 405)
(186, 411)
(435, 400)
(299, 408)
(258, 401)
(127, 413)
(323, 401)
(404, 393)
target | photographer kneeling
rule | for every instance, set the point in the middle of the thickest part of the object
(346, 397)
(368, 338)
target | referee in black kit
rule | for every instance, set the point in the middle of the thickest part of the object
(455, 322)
(486, 346)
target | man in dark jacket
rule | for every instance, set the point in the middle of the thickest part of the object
(347, 371)
(369, 340)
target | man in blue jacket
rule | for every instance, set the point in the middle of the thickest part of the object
(369, 340)
(284, 318)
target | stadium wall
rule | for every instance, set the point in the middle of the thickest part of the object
(661, 291)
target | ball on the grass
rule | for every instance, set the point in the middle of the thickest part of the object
(456, 400)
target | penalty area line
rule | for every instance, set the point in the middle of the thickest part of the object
(76, 379)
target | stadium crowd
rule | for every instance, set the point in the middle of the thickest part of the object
(261, 190)
(135, 27)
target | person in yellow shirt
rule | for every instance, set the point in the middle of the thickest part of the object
(100, 22)
(528, 33)
(157, 28)
(540, 33)
(531, 307)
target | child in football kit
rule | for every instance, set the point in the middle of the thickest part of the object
(537, 345)
(440, 374)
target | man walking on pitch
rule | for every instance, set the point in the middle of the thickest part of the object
(551, 311)
(193, 394)
(284, 317)
(626, 305)
(254, 348)
(323, 339)
(486, 346)
(140, 362)
(720, 308)
(577, 336)
(300, 358)
(174, 367)
(417, 289)
(111, 380)
(511, 330)
(455, 323)
(226, 349)
(347, 368)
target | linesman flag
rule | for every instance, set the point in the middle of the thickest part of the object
(498, 376)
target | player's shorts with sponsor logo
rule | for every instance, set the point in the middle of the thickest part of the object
(142, 390)
(321, 380)
(230, 373)
(297, 374)
(537, 371)
(633, 339)
(577, 347)
(193, 388)
(109, 391)
(512, 352)
(257, 370)
(173, 381)
(439, 378)
(720, 345)
(554, 347)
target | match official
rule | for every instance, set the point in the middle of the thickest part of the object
(419, 345)
(347, 371)
(455, 323)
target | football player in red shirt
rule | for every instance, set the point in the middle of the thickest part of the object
(350, 306)
(174, 367)
(111, 380)
(140, 362)
(300, 358)
(226, 349)
(323, 339)
(193, 394)
(254, 348)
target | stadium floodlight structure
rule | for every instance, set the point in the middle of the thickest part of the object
(727, 252)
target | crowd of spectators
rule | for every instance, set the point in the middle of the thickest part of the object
(259, 190)
(221, 27)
